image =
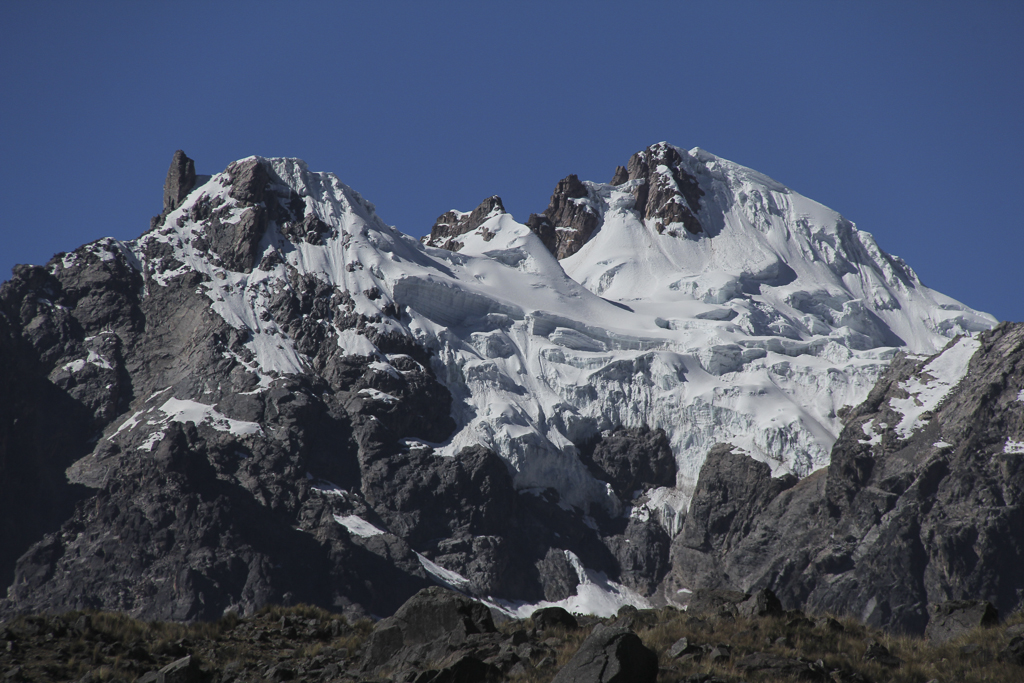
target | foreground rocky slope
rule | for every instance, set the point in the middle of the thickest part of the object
(274, 397)
(441, 636)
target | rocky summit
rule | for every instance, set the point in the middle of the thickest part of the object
(689, 379)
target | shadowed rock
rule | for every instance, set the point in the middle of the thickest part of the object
(610, 655)
(950, 620)
(432, 616)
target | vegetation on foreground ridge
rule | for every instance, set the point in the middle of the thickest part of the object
(310, 644)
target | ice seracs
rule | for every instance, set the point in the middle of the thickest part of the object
(754, 329)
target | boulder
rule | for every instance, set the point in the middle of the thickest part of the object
(950, 620)
(763, 603)
(433, 616)
(184, 670)
(548, 617)
(876, 652)
(610, 655)
(466, 669)
(1013, 652)
(776, 667)
(715, 601)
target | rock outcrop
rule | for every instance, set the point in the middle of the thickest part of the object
(667, 193)
(610, 655)
(451, 224)
(569, 220)
(921, 505)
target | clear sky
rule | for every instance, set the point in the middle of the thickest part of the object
(906, 117)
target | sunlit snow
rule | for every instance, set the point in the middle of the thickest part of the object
(178, 410)
(1013, 446)
(753, 333)
(595, 594)
(357, 526)
(937, 379)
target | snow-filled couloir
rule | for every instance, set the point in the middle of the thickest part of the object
(699, 297)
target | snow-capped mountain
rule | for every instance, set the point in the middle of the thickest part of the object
(517, 409)
(751, 316)
(753, 330)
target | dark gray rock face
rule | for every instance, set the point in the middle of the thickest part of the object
(185, 522)
(665, 198)
(631, 460)
(568, 222)
(732, 489)
(452, 224)
(558, 577)
(249, 180)
(236, 243)
(952, 619)
(894, 524)
(610, 655)
(181, 178)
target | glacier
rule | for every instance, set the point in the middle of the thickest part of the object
(756, 331)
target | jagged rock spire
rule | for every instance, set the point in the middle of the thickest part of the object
(181, 177)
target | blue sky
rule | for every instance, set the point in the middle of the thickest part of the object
(905, 117)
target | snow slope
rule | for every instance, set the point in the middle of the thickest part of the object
(754, 332)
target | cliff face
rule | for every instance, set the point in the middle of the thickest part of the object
(923, 501)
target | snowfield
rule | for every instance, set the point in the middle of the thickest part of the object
(754, 332)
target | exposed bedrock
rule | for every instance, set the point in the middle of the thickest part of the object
(631, 460)
(665, 197)
(181, 177)
(569, 220)
(452, 224)
(916, 516)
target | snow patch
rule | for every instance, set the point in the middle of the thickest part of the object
(933, 384)
(92, 359)
(1013, 447)
(357, 526)
(595, 595)
(445, 577)
(378, 395)
(178, 410)
(872, 438)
